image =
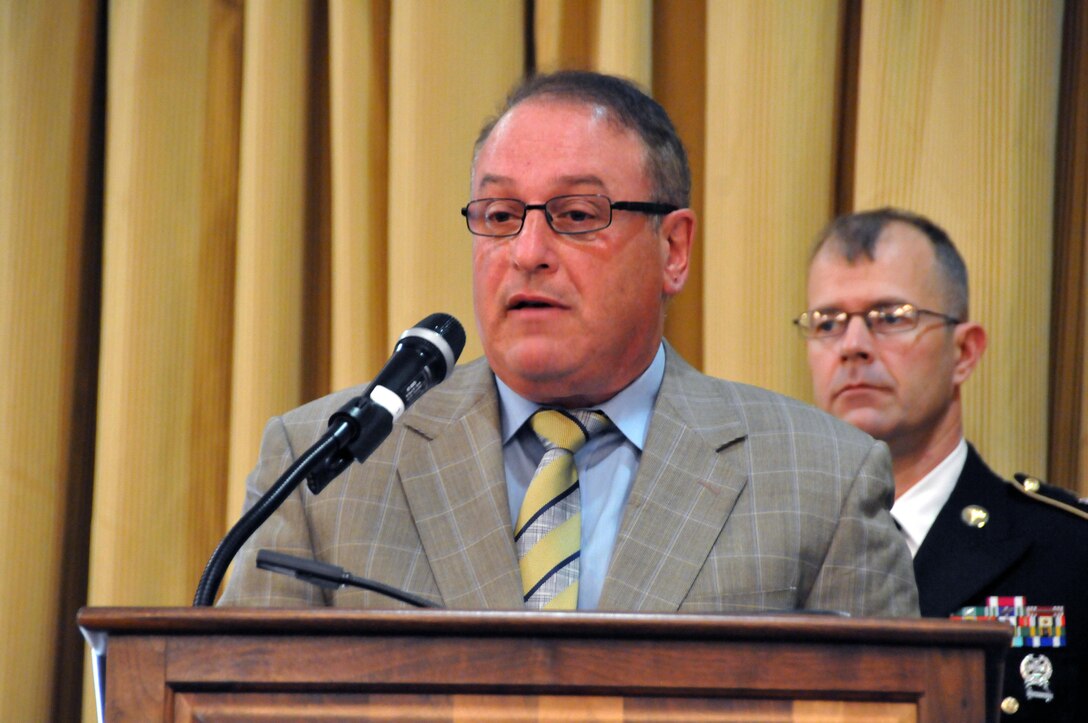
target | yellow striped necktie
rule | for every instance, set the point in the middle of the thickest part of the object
(549, 527)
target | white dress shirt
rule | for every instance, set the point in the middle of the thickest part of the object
(917, 509)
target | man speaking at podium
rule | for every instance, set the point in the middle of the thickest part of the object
(582, 464)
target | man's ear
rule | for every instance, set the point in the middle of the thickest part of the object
(677, 234)
(970, 339)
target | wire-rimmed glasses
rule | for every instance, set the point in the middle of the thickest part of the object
(881, 319)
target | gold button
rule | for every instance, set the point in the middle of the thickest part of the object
(1031, 484)
(1010, 705)
(975, 516)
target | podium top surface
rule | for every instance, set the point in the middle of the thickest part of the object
(791, 627)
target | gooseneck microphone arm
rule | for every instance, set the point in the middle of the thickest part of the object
(269, 502)
(423, 357)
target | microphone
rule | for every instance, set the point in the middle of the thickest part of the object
(332, 577)
(423, 357)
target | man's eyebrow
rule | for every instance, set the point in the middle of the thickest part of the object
(882, 301)
(891, 301)
(492, 178)
(576, 180)
(586, 180)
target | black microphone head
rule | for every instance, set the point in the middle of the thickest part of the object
(446, 334)
(449, 329)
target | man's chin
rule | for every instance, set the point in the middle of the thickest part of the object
(537, 362)
(869, 420)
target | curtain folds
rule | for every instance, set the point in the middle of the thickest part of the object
(213, 211)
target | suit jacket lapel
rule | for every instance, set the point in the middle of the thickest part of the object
(957, 561)
(681, 497)
(453, 477)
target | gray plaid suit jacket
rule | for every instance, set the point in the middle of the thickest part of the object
(744, 501)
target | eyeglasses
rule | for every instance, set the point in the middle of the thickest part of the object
(881, 319)
(572, 215)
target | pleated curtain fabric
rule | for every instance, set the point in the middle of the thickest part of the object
(548, 533)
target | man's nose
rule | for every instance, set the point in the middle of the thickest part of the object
(532, 247)
(857, 341)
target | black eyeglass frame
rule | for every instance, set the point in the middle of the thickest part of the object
(868, 317)
(651, 208)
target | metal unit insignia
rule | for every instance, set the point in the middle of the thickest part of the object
(1036, 670)
(975, 516)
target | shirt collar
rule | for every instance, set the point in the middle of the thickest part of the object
(630, 410)
(916, 509)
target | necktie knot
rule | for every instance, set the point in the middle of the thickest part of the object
(569, 430)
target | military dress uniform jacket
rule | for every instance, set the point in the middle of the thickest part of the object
(993, 539)
(743, 501)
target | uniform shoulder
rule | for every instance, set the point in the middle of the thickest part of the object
(1035, 489)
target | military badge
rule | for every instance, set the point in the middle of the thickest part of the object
(1036, 670)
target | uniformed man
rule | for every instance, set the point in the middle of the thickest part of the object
(890, 344)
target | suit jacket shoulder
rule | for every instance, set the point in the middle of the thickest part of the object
(432, 492)
(728, 470)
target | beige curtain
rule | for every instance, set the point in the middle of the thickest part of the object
(212, 211)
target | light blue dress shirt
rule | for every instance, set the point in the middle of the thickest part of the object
(606, 468)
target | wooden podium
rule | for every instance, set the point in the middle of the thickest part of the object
(167, 664)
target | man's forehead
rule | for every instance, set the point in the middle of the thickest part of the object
(902, 267)
(552, 107)
(553, 120)
(570, 144)
(906, 248)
